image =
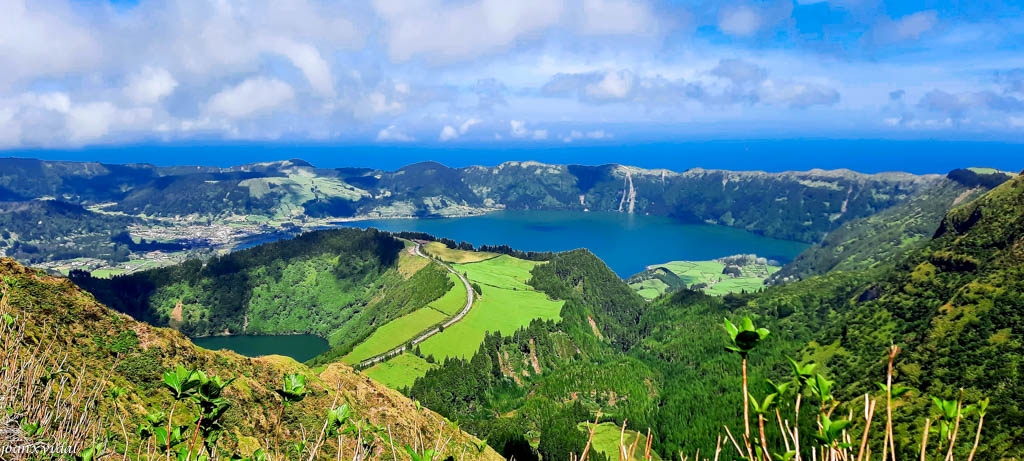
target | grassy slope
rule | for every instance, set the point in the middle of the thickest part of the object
(708, 273)
(506, 304)
(607, 439)
(63, 324)
(454, 300)
(442, 252)
(394, 334)
(399, 372)
(408, 326)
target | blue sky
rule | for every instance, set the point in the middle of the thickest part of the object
(498, 72)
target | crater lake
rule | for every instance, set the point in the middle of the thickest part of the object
(627, 243)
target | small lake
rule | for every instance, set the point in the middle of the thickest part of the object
(627, 243)
(298, 347)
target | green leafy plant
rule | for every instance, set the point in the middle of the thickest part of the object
(181, 382)
(743, 340)
(337, 419)
(31, 429)
(821, 387)
(831, 433)
(293, 389)
(426, 455)
(91, 453)
(745, 337)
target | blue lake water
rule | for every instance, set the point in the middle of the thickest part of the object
(298, 347)
(627, 243)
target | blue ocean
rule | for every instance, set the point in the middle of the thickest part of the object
(868, 156)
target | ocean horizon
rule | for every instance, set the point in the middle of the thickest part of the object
(867, 156)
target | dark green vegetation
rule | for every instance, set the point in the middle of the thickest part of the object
(879, 238)
(337, 284)
(952, 303)
(279, 195)
(949, 297)
(77, 374)
(42, 230)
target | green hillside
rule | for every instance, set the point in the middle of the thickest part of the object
(339, 284)
(80, 375)
(882, 237)
(952, 305)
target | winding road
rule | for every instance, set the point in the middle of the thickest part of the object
(417, 250)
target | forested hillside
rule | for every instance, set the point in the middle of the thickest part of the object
(41, 230)
(95, 384)
(881, 238)
(952, 304)
(338, 284)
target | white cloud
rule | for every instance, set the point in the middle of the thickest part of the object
(797, 95)
(443, 31)
(253, 97)
(43, 39)
(909, 27)
(92, 121)
(448, 133)
(613, 86)
(467, 125)
(393, 134)
(577, 134)
(748, 19)
(735, 82)
(308, 60)
(518, 129)
(53, 119)
(617, 17)
(741, 21)
(150, 85)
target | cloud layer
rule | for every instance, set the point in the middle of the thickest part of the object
(487, 71)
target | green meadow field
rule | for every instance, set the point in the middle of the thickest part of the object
(506, 304)
(708, 273)
(400, 371)
(442, 252)
(454, 300)
(395, 333)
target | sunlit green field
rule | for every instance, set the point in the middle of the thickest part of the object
(400, 371)
(710, 274)
(454, 300)
(395, 333)
(607, 438)
(439, 250)
(650, 289)
(507, 304)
